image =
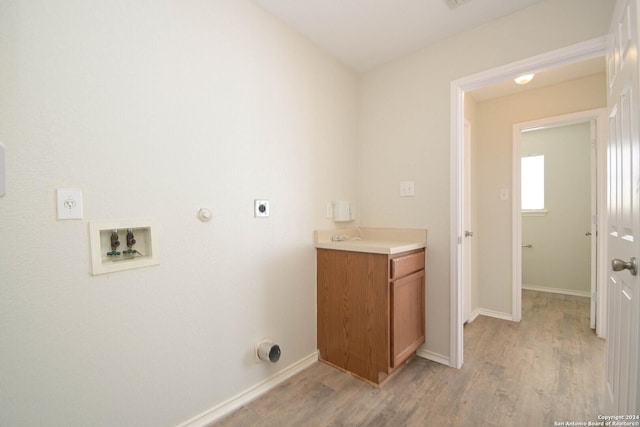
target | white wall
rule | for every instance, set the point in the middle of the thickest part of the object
(560, 257)
(156, 109)
(405, 122)
(495, 119)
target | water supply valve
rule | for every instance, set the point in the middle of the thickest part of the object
(123, 245)
(115, 242)
(130, 242)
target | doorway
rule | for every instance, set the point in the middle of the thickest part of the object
(572, 54)
(557, 234)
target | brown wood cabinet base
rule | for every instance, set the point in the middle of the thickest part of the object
(371, 314)
(385, 378)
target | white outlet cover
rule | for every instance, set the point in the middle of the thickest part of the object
(407, 189)
(261, 208)
(69, 203)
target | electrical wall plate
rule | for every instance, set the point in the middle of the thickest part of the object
(261, 208)
(407, 189)
(106, 258)
(69, 203)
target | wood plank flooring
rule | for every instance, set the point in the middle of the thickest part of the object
(547, 368)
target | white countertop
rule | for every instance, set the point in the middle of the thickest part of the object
(372, 240)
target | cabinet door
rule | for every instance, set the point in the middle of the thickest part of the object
(407, 316)
(353, 312)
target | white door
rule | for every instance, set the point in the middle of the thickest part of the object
(468, 227)
(593, 231)
(623, 293)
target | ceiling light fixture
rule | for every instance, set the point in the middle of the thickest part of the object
(524, 79)
(455, 3)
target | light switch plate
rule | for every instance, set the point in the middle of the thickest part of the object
(407, 189)
(69, 203)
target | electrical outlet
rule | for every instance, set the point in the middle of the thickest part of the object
(261, 208)
(69, 203)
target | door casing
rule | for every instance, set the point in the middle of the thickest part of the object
(571, 54)
(599, 145)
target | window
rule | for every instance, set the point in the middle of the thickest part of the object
(532, 177)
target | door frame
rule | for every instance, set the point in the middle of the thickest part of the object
(575, 53)
(598, 120)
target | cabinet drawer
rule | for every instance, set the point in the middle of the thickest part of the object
(406, 264)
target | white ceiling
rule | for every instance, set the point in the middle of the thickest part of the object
(367, 33)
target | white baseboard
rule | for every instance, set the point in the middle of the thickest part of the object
(492, 313)
(586, 294)
(474, 315)
(225, 408)
(435, 357)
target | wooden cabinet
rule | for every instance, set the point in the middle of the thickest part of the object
(371, 315)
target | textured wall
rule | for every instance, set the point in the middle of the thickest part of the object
(405, 128)
(156, 109)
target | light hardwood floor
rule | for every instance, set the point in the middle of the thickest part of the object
(547, 368)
